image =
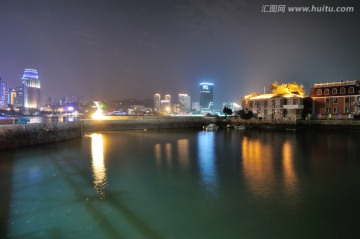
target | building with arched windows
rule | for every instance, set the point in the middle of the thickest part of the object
(336, 99)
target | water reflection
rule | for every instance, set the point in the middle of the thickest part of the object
(98, 164)
(183, 151)
(258, 166)
(206, 150)
(289, 173)
(168, 154)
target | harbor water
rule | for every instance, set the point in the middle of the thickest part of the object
(184, 184)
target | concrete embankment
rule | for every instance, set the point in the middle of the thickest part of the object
(141, 123)
(16, 136)
(339, 125)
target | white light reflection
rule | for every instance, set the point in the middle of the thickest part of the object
(98, 164)
(206, 149)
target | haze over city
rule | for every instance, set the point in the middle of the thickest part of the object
(133, 49)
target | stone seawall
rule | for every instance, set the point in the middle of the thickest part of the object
(339, 125)
(16, 136)
(141, 123)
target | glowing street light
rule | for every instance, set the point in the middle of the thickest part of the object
(98, 113)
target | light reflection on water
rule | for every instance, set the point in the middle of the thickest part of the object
(188, 184)
(206, 157)
(98, 164)
(258, 168)
(289, 173)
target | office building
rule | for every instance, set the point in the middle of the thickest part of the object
(3, 94)
(184, 103)
(206, 97)
(31, 89)
(166, 104)
(157, 102)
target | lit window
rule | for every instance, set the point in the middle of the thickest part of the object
(335, 110)
(351, 90)
(342, 90)
(334, 91)
(335, 100)
(319, 92)
(326, 92)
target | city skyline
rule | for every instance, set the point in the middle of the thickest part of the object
(114, 50)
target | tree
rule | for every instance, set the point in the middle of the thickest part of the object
(288, 88)
(227, 111)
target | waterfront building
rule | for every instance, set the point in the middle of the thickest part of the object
(275, 106)
(206, 97)
(3, 94)
(165, 104)
(336, 99)
(31, 89)
(184, 103)
(157, 102)
(19, 99)
(195, 106)
(11, 96)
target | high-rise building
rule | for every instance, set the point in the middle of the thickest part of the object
(3, 94)
(184, 102)
(166, 104)
(19, 99)
(157, 102)
(206, 97)
(11, 96)
(31, 89)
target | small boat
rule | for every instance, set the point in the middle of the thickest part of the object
(229, 126)
(211, 127)
(239, 127)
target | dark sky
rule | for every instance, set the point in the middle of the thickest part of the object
(115, 49)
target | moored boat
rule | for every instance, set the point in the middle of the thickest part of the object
(239, 127)
(211, 127)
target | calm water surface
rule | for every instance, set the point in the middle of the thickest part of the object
(184, 184)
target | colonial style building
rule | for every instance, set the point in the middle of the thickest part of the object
(336, 99)
(275, 106)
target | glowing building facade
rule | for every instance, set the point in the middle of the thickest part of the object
(31, 89)
(206, 97)
(336, 99)
(184, 103)
(166, 104)
(157, 102)
(3, 94)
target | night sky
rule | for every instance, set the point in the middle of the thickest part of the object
(116, 49)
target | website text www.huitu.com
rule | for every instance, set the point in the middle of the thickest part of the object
(309, 9)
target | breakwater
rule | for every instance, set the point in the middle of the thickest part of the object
(115, 123)
(16, 135)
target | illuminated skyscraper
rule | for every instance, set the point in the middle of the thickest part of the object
(166, 104)
(19, 99)
(157, 102)
(11, 96)
(184, 102)
(31, 89)
(206, 97)
(3, 94)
